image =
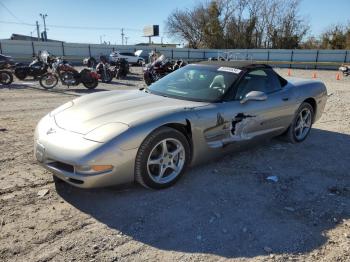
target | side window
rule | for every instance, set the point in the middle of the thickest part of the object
(255, 80)
(264, 80)
(274, 82)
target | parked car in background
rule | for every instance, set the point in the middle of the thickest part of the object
(132, 58)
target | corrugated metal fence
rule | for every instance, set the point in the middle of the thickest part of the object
(24, 50)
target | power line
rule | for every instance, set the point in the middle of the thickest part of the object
(11, 13)
(16, 23)
(75, 27)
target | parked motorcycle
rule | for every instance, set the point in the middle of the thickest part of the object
(35, 69)
(68, 75)
(103, 69)
(121, 68)
(345, 69)
(6, 64)
(160, 68)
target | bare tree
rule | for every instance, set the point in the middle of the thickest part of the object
(240, 24)
(188, 25)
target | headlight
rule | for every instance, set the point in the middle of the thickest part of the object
(106, 132)
(62, 108)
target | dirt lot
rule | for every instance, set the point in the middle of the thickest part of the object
(224, 210)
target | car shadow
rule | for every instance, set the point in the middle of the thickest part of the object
(119, 83)
(83, 90)
(230, 208)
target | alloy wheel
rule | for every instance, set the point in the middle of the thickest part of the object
(166, 160)
(303, 124)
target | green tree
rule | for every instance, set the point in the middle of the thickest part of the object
(213, 31)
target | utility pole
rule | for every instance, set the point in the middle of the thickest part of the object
(38, 30)
(126, 40)
(122, 36)
(43, 16)
(101, 38)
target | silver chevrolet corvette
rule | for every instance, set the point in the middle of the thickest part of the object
(191, 116)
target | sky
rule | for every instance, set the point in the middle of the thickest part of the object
(107, 17)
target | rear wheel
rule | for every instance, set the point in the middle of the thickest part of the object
(48, 81)
(91, 84)
(162, 158)
(301, 125)
(6, 78)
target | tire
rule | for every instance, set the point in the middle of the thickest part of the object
(6, 78)
(107, 77)
(292, 133)
(172, 166)
(91, 84)
(148, 78)
(48, 81)
(20, 74)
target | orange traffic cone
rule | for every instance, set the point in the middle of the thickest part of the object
(338, 77)
(289, 72)
(314, 75)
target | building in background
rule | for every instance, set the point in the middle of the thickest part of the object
(29, 38)
(157, 45)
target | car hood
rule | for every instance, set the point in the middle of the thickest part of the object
(88, 112)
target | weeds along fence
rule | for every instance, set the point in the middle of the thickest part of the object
(23, 51)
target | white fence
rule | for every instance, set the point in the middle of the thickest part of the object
(24, 50)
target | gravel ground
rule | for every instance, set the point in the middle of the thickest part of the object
(223, 210)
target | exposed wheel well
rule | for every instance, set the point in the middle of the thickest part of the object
(312, 102)
(185, 130)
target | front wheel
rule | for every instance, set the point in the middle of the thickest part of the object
(147, 76)
(107, 76)
(301, 125)
(48, 81)
(162, 158)
(6, 78)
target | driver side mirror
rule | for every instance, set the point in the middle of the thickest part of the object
(254, 96)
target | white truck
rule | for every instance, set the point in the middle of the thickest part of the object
(132, 58)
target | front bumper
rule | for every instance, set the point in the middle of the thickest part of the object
(60, 151)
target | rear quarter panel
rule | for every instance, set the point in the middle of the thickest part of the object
(310, 89)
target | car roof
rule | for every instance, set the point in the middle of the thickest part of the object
(241, 64)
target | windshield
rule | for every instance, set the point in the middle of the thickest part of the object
(44, 55)
(196, 83)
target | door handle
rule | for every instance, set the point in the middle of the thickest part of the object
(285, 98)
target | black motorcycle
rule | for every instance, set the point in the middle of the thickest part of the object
(35, 69)
(6, 64)
(160, 68)
(345, 69)
(121, 68)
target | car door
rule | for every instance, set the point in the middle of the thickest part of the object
(257, 119)
(124, 56)
(132, 58)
